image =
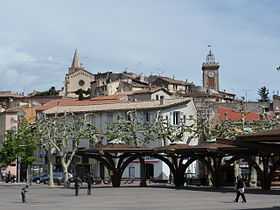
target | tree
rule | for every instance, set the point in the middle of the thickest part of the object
(263, 93)
(134, 132)
(52, 91)
(169, 133)
(61, 135)
(83, 94)
(21, 143)
(127, 131)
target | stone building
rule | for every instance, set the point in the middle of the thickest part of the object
(109, 83)
(148, 94)
(76, 78)
(8, 99)
(172, 85)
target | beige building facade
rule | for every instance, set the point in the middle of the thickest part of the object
(103, 115)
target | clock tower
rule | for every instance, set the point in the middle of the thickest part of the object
(210, 72)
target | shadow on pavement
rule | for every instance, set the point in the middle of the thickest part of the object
(231, 190)
(268, 208)
(198, 188)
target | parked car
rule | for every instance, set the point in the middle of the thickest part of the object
(58, 178)
(37, 178)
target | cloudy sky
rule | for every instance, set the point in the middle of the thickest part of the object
(170, 37)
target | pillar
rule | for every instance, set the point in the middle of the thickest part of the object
(116, 178)
(253, 174)
(143, 182)
(237, 171)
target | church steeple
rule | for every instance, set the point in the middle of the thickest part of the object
(76, 64)
(76, 60)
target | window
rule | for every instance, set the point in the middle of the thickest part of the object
(131, 172)
(110, 117)
(176, 118)
(161, 97)
(157, 97)
(81, 82)
(147, 116)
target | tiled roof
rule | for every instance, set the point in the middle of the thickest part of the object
(174, 81)
(14, 110)
(227, 93)
(135, 83)
(232, 115)
(11, 94)
(113, 105)
(81, 69)
(144, 91)
(75, 102)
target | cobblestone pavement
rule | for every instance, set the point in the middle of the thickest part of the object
(136, 198)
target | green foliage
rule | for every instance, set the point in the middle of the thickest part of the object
(51, 92)
(83, 94)
(20, 144)
(9, 150)
(263, 93)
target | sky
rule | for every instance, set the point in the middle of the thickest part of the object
(168, 37)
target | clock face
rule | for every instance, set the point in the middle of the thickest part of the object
(211, 74)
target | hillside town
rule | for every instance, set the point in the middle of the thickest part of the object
(145, 105)
(110, 97)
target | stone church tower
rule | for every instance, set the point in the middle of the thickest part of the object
(210, 72)
(77, 77)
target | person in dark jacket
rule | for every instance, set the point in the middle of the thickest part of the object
(89, 184)
(77, 182)
(23, 193)
(240, 189)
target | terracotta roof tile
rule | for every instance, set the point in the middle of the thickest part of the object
(75, 102)
(232, 115)
(113, 105)
(144, 91)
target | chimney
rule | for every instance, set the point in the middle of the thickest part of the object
(161, 100)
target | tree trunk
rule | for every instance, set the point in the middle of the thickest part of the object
(50, 169)
(28, 175)
(266, 178)
(65, 172)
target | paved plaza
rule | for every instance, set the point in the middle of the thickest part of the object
(136, 198)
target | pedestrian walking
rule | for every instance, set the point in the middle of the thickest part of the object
(89, 184)
(240, 189)
(77, 182)
(23, 193)
(8, 178)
